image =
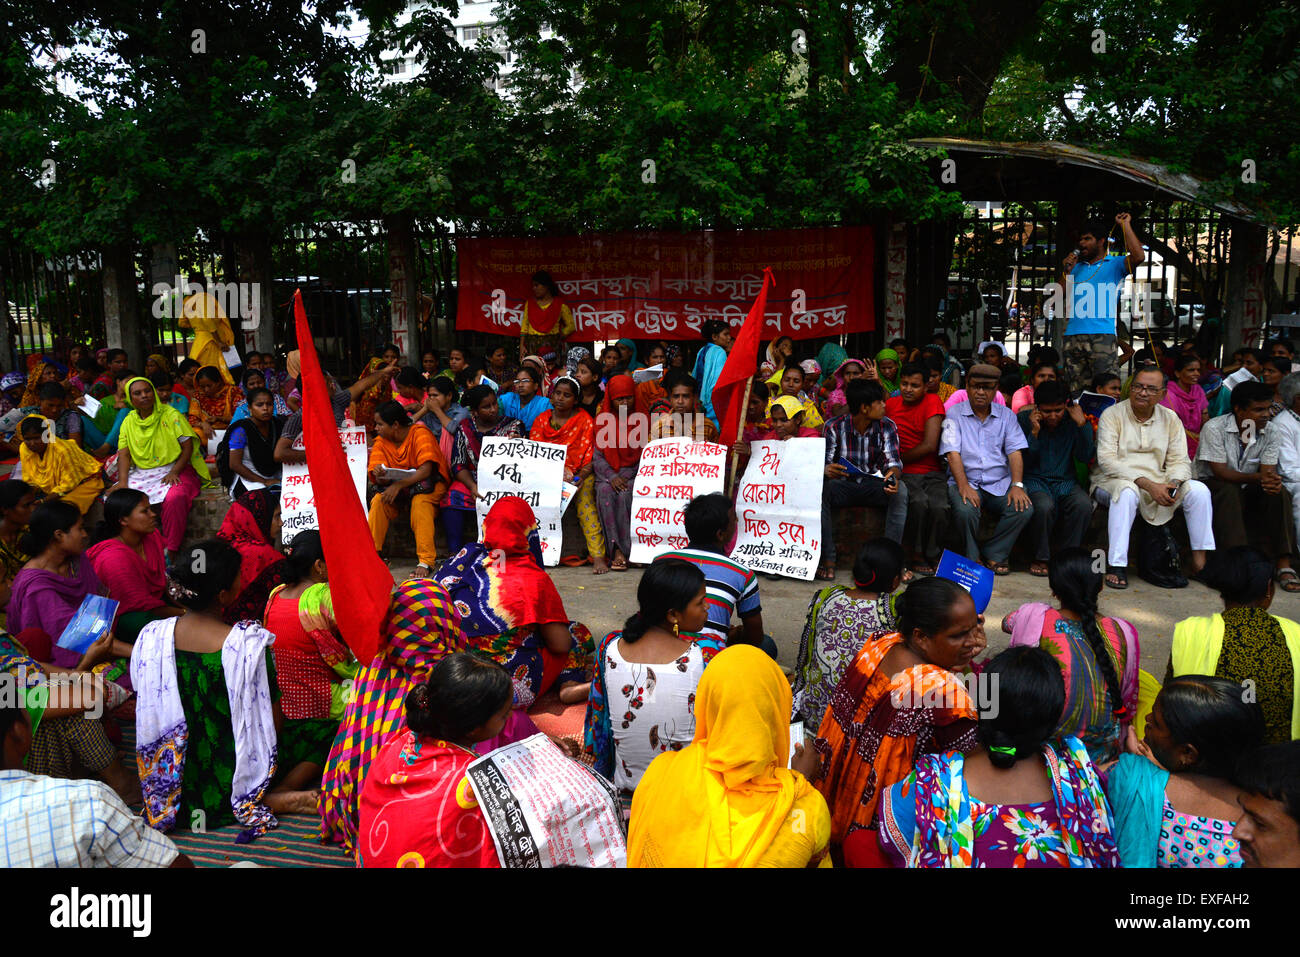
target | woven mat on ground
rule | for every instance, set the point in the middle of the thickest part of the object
(292, 844)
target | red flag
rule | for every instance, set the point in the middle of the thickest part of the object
(362, 583)
(741, 364)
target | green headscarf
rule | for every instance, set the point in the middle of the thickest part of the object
(156, 440)
(829, 359)
(888, 386)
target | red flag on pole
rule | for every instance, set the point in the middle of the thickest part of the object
(362, 582)
(729, 392)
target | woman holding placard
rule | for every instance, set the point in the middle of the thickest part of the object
(157, 448)
(570, 426)
(249, 445)
(485, 420)
(408, 467)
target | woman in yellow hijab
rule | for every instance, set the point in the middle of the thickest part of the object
(159, 454)
(728, 799)
(58, 468)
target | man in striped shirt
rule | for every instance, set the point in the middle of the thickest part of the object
(53, 822)
(710, 527)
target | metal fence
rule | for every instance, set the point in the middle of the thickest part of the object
(1000, 260)
(1004, 259)
(49, 300)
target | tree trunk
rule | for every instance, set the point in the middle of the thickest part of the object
(121, 306)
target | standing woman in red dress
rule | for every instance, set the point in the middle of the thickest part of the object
(547, 322)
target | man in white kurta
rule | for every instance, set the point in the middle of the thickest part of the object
(1142, 465)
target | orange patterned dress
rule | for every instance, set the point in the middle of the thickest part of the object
(877, 724)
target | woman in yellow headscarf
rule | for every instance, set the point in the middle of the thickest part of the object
(728, 799)
(156, 449)
(212, 333)
(58, 468)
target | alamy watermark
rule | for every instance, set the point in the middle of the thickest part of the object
(242, 300)
(26, 689)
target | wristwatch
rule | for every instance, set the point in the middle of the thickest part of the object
(1018, 484)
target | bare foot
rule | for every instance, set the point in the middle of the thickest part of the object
(574, 691)
(293, 802)
(599, 565)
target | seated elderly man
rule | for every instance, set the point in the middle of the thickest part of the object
(1142, 465)
(1237, 461)
(1284, 436)
(983, 443)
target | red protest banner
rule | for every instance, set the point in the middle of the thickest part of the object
(667, 285)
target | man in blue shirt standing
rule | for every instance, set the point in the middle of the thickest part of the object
(1093, 282)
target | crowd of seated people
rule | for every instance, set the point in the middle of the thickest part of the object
(249, 704)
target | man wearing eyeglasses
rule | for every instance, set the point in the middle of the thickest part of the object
(1142, 465)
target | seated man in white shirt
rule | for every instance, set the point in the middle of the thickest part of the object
(1284, 436)
(53, 822)
(1142, 465)
(1237, 461)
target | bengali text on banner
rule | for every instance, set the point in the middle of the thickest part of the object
(672, 472)
(667, 285)
(779, 508)
(534, 471)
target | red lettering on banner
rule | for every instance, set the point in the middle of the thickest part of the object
(697, 276)
(791, 532)
(754, 526)
(675, 491)
(648, 537)
(678, 541)
(771, 462)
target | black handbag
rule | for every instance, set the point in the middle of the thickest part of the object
(1157, 558)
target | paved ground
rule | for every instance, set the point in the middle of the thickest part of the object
(603, 602)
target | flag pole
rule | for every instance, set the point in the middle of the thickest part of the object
(740, 431)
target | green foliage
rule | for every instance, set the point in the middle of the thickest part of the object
(754, 113)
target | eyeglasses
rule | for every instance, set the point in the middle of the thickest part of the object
(1146, 389)
(981, 387)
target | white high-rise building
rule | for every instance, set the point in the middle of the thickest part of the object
(476, 20)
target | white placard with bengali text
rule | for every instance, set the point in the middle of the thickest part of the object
(672, 472)
(298, 501)
(779, 508)
(534, 471)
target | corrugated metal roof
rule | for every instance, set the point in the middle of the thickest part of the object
(1180, 185)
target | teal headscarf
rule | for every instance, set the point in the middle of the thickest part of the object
(888, 386)
(831, 356)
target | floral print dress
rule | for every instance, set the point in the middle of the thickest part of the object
(837, 627)
(638, 711)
